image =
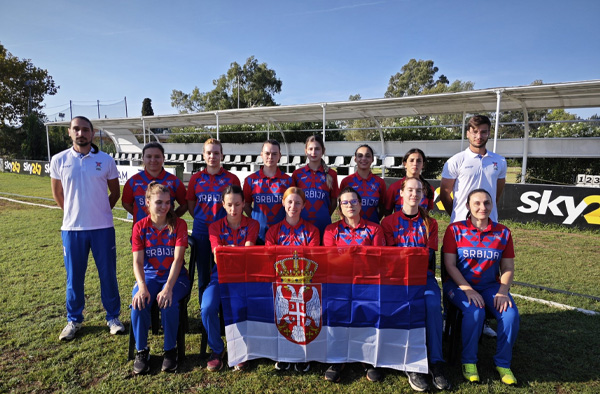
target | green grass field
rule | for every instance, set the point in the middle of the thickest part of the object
(557, 351)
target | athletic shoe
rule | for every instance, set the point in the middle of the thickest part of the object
(302, 367)
(215, 362)
(242, 366)
(170, 360)
(417, 381)
(374, 374)
(470, 372)
(507, 376)
(487, 330)
(115, 326)
(141, 365)
(69, 331)
(438, 376)
(334, 373)
(282, 366)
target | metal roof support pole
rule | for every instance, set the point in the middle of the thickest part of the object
(268, 130)
(498, 99)
(462, 136)
(525, 143)
(217, 115)
(382, 155)
(48, 142)
(324, 105)
(144, 128)
(287, 148)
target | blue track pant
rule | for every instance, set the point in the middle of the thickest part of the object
(211, 300)
(433, 320)
(472, 323)
(76, 250)
(140, 319)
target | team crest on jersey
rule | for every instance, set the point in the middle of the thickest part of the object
(222, 181)
(495, 163)
(170, 183)
(297, 300)
(98, 166)
(322, 178)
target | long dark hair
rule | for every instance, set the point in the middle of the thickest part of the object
(426, 186)
(155, 188)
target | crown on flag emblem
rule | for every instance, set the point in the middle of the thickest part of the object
(296, 269)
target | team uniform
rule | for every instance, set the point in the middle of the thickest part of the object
(134, 191)
(478, 259)
(393, 200)
(87, 224)
(302, 234)
(318, 194)
(372, 191)
(366, 233)
(266, 195)
(401, 230)
(473, 171)
(159, 253)
(222, 235)
(206, 190)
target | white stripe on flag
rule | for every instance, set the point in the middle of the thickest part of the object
(390, 348)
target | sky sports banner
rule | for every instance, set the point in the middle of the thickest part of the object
(326, 304)
(572, 206)
(27, 167)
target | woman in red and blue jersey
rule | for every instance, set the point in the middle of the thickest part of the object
(293, 230)
(414, 160)
(158, 243)
(134, 191)
(352, 229)
(234, 229)
(479, 259)
(319, 184)
(411, 226)
(371, 187)
(263, 190)
(205, 205)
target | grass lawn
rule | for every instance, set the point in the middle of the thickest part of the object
(557, 351)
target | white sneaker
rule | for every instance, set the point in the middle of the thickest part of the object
(115, 326)
(488, 331)
(69, 331)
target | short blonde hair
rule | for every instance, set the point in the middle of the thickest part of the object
(213, 141)
(295, 190)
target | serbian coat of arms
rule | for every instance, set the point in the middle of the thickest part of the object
(297, 300)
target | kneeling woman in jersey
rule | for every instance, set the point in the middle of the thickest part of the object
(479, 258)
(411, 226)
(352, 229)
(235, 229)
(293, 230)
(158, 243)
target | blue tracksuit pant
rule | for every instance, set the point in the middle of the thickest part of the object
(433, 320)
(76, 250)
(209, 309)
(140, 319)
(472, 323)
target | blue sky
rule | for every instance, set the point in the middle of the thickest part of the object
(321, 50)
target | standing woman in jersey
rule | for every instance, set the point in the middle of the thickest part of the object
(480, 261)
(235, 229)
(263, 190)
(411, 226)
(293, 230)
(371, 187)
(352, 229)
(319, 184)
(134, 191)
(158, 243)
(205, 205)
(414, 161)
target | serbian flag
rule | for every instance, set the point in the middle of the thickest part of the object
(326, 304)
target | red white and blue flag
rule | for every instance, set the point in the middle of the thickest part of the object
(326, 304)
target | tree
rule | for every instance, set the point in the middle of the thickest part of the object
(415, 78)
(147, 107)
(22, 87)
(250, 85)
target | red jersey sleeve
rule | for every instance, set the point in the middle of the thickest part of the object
(344, 183)
(191, 193)
(315, 236)
(378, 235)
(449, 245)
(295, 178)
(390, 195)
(213, 234)
(334, 185)
(329, 234)
(247, 189)
(432, 240)
(388, 231)
(509, 251)
(181, 195)
(271, 236)
(137, 243)
(235, 180)
(253, 228)
(127, 193)
(182, 233)
(382, 193)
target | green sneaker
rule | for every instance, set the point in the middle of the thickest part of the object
(470, 372)
(506, 376)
